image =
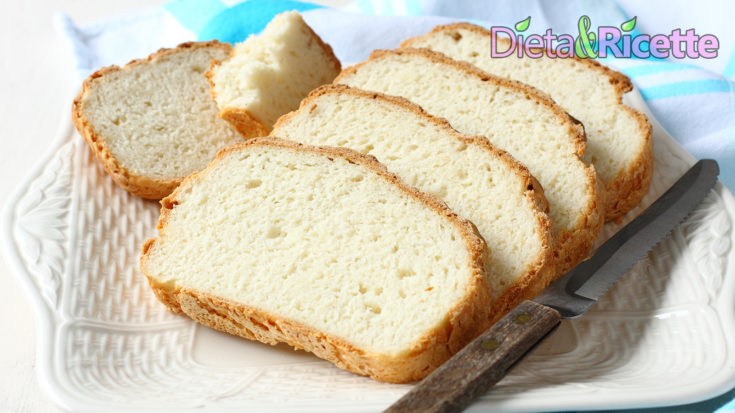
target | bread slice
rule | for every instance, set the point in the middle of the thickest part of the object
(153, 121)
(619, 141)
(475, 179)
(323, 249)
(514, 117)
(267, 75)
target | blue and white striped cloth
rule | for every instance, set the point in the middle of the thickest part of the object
(693, 99)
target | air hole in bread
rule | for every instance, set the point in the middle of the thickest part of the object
(254, 183)
(258, 324)
(274, 232)
(275, 326)
(373, 308)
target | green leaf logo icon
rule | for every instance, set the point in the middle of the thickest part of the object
(522, 25)
(629, 25)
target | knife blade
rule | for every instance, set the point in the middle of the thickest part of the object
(484, 361)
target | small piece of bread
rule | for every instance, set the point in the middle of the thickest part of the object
(153, 122)
(514, 117)
(267, 75)
(475, 179)
(619, 141)
(325, 250)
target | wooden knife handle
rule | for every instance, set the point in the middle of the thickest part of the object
(482, 363)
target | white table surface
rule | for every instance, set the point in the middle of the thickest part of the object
(36, 85)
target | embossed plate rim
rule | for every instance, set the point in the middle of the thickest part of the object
(42, 314)
(48, 342)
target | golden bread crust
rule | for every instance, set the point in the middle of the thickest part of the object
(139, 185)
(244, 122)
(240, 118)
(573, 246)
(541, 271)
(626, 190)
(463, 323)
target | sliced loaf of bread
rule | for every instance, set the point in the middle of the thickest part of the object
(153, 122)
(514, 117)
(267, 75)
(323, 249)
(619, 141)
(476, 180)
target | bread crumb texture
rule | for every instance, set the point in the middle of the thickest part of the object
(331, 243)
(267, 75)
(156, 117)
(477, 181)
(619, 142)
(513, 117)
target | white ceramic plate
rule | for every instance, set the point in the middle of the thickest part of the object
(664, 335)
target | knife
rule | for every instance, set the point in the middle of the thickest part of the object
(482, 363)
